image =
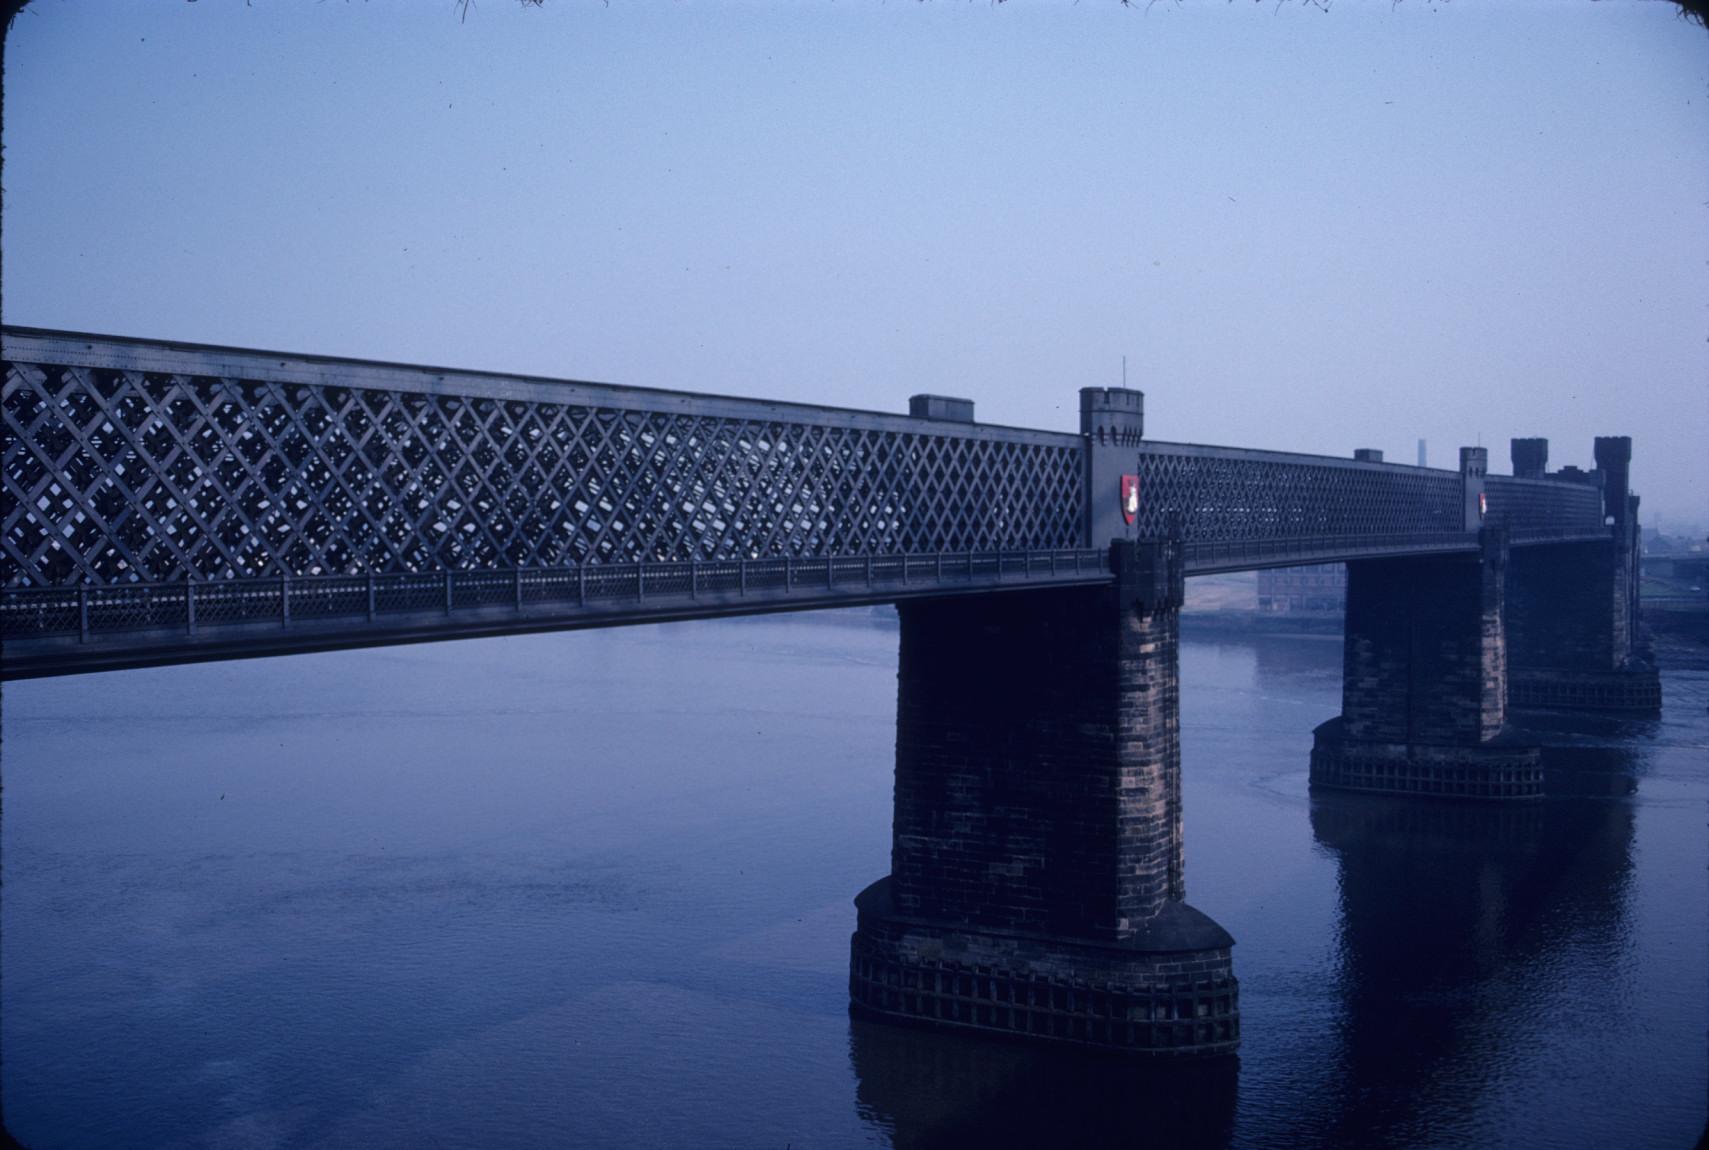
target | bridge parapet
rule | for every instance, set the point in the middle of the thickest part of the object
(148, 466)
(1222, 494)
(66, 630)
(129, 460)
(1533, 506)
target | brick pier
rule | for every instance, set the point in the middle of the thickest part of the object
(1573, 621)
(1424, 683)
(1036, 870)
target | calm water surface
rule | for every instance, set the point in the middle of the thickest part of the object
(595, 890)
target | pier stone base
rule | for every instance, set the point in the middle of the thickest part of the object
(1634, 691)
(1482, 771)
(1036, 877)
(1168, 988)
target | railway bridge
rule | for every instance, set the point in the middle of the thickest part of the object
(169, 502)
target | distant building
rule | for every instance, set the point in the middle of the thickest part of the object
(1315, 590)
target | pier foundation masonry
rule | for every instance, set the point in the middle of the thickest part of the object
(1572, 630)
(1424, 683)
(1036, 883)
(1573, 626)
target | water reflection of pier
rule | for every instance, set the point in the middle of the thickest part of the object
(931, 1089)
(1463, 926)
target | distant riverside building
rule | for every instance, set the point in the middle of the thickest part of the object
(1315, 590)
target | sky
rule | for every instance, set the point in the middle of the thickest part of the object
(1310, 227)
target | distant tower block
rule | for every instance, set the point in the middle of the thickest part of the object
(1530, 458)
(1423, 454)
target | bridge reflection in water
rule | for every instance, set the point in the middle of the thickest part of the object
(1454, 919)
(1455, 922)
(931, 1089)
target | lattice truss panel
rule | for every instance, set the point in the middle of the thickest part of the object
(1543, 504)
(1229, 497)
(120, 476)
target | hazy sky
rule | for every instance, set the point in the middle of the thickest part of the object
(1307, 230)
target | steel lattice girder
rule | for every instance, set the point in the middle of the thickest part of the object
(131, 460)
(152, 462)
(1544, 504)
(1226, 494)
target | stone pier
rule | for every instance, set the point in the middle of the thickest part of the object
(1424, 686)
(1573, 625)
(1036, 880)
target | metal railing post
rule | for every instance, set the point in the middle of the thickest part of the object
(581, 585)
(372, 598)
(788, 573)
(869, 570)
(693, 579)
(518, 589)
(938, 567)
(741, 576)
(284, 600)
(447, 592)
(830, 573)
(189, 604)
(640, 582)
(83, 614)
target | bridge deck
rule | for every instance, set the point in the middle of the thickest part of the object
(56, 632)
(168, 501)
(59, 631)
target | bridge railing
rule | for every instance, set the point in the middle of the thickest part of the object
(189, 607)
(1561, 534)
(1226, 494)
(135, 460)
(1241, 554)
(1543, 505)
(1205, 556)
(130, 460)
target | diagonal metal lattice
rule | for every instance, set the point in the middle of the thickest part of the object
(1226, 495)
(116, 475)
(1539, 505)
(129, 461)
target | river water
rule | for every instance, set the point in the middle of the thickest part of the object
(594, 890)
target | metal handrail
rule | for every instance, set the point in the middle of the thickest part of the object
(1322, 548)
(287, 601)
(291, 600)
(1212, 553)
